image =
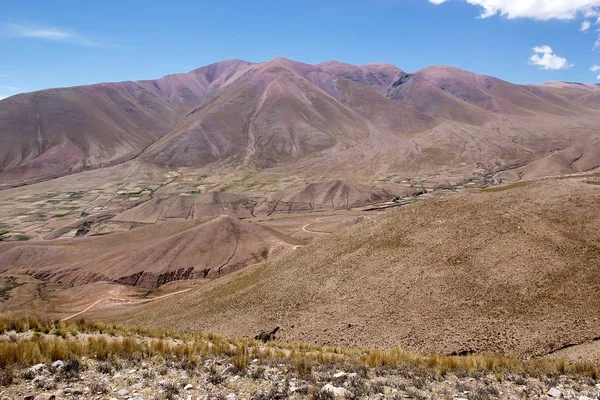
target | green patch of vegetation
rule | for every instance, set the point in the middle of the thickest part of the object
(83, 214)
(22, 238)
(60, 215)
(51, 201)
(2, 233)
(195, 192)
(72, 208)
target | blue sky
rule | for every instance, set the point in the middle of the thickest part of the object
(64, 43)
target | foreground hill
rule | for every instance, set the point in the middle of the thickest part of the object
(510, 270)
(301, 119)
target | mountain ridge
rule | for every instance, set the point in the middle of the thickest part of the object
(280, 113)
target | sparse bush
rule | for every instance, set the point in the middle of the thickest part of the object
(70, 370)
(104, 367)
(171, 389)
(214, 376)
(304, 367)
(485, 392)
(148, 374)
(28, 375)
(7, 376)
(376, 386)
(98, 388)
(240, 360)
(258, 373)
(416, 394)
(317, 394)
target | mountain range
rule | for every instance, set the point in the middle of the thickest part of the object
(330, 118)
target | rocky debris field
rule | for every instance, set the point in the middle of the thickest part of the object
(219, 378)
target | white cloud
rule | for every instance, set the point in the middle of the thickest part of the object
(585, 25)
(545, 58)
(543, 49)
(595, 68)
(45, 33)
(535, 9)
(3, 76)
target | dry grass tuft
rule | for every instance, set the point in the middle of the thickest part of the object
(188, 349)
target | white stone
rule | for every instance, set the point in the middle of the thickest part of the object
(58, 364)
(336, 391)
(189, 386)
(585, 398)
(340, 374)
(554, 392)
(137, 386)
(123, 392)
(38, 367)
(231, 396)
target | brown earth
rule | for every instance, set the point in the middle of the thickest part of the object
(148, 256)
(509, 271)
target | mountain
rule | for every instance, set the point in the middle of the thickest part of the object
(292, 117)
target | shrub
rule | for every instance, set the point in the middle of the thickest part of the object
(98, 388)
(304, 367)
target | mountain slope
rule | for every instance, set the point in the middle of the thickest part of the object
(503, 271)
(149, 256)
(297, 118)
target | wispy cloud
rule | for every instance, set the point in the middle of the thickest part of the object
(48, 33)
(585, 25)
(4, 75)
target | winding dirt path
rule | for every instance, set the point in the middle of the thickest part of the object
(311, 231)
(122, 300)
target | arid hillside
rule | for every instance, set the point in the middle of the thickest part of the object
(355, 122)
(509, 270)
(149, 256)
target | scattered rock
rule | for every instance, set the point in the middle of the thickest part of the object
(554, 392)
(58, 364)
(231, 396)
(336, 391)
(123, 392)
(189, 386)
(340, 375)
(228, 369)
(137, 386)
(45, 396)
(29, 397)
